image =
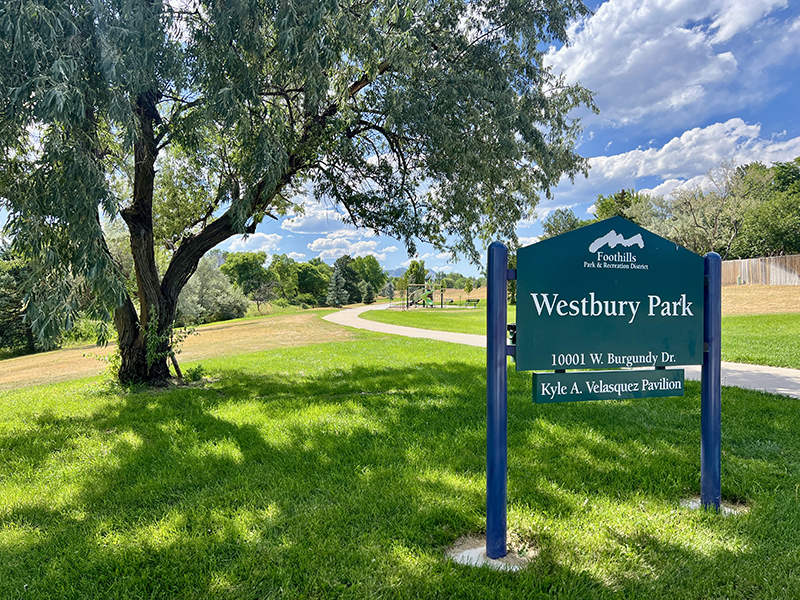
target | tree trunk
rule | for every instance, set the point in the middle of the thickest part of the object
(132, 345)
(142, 361)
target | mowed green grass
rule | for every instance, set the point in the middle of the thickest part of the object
(344, 470)
(772, 340)
(762, 339)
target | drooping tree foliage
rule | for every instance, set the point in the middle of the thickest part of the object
(422, 120)
(15, 333)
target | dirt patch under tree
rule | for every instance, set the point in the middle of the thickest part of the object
(212, 341)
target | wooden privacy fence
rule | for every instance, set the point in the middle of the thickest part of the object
(770, 270)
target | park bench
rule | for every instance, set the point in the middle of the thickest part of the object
(473, 303)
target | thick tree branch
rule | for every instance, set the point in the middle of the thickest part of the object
(192, 249)
(366, 80)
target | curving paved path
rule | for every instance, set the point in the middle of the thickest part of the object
(754, 377)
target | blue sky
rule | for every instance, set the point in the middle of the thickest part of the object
(681, 86)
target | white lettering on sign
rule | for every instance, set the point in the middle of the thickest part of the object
(585, 307)
(626, 387)
(610, 359)
(662, 385)
(551, 390)
(628, 257)
(670, 309)
(592, 306)
(620, 360)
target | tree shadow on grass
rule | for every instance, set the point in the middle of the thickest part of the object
(345, 482)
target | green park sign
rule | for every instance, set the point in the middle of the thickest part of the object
(607, 308)
(607, 296)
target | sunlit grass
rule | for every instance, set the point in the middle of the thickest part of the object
(344, 470)
(762, 339)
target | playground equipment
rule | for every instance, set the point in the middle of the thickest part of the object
(422, 295)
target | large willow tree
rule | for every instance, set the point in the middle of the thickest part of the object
(424, 120)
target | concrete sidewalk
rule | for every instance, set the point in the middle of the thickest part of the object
(753, 377)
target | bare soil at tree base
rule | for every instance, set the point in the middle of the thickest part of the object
(215, 340)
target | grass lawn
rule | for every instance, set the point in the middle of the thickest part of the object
(344, 470)
(772, 339)
(762, 339)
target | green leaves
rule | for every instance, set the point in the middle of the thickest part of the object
(743, 212)
(246, 270)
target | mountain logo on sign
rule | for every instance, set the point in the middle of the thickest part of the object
(612, 239)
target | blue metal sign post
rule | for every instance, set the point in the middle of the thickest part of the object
(711, 395)
(496, 402)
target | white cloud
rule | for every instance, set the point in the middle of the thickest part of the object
(257, 242)
(296, 255)
(336, 245)
(649, 60)
(735, 16)
(527, 241)
(682, 161)
(695, 152)
(315, 219)
(444, 256)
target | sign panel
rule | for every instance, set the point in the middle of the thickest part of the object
(606, 385)
(608, 295)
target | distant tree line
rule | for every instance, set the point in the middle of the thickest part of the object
(418, 274)
(223, 287)
(281, 282)
(745, 211)
(285, 281)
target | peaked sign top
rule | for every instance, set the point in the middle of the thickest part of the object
(608, 295)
